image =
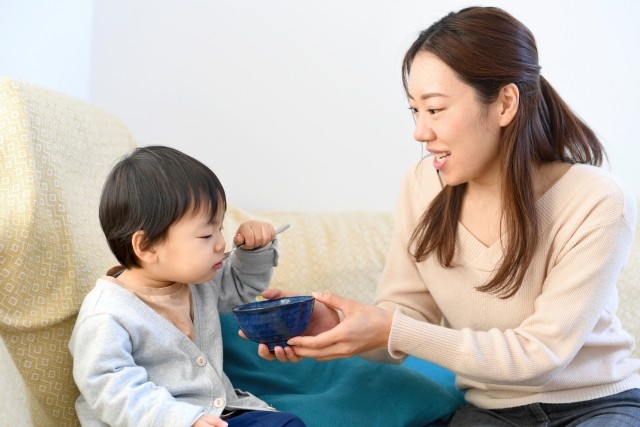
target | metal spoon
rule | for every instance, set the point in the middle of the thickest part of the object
(228, 254)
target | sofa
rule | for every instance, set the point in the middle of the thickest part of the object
(55, 152)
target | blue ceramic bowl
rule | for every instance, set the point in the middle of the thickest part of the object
(273, 322)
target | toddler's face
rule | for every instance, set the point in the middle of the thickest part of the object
(193, 249)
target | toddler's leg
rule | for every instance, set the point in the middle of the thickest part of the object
(265, 419)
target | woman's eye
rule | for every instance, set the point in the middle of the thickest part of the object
(431, 111)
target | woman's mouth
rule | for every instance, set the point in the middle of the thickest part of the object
(439, 159)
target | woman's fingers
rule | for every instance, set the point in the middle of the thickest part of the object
(282, 354)
(364, 328)
(332, 300)
(325, 338)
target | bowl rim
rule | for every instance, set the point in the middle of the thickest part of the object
(245, 308)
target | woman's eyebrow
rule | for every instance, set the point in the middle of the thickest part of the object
(428, 95)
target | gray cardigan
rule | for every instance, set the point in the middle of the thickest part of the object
(135, 368)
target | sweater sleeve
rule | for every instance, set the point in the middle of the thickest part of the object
(574, 306)
(245, 275)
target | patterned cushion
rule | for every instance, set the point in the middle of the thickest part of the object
(341, 252)
(55, 152)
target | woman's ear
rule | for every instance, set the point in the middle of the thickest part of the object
(141, 247)
(509, 100)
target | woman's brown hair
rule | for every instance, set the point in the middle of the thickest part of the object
(488, 49)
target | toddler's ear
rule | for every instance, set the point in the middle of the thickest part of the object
(145, 252)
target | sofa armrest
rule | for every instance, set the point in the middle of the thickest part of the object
(17, 407)
(56, 152)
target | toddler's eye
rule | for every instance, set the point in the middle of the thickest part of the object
(432, 111)
(208, 236)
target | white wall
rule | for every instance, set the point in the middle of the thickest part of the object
(47, 42)
(299, 105)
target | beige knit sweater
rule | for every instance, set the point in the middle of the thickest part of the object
(558, 339)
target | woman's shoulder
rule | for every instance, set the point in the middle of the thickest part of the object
(591, 189)
(597, 182)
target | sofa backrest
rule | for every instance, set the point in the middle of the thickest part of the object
(629, 291)
(339, 252)
(55, 152)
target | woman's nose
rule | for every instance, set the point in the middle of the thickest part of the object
(423, 132)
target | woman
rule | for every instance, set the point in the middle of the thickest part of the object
(507, 246)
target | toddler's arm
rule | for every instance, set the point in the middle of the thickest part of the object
(249, 270)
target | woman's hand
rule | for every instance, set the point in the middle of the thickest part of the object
(323, 319)
(365, 327)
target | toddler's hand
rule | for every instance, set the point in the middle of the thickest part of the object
(254, 234)
(209, 421)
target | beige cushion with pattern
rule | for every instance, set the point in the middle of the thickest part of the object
(341, 252)
(55, 152)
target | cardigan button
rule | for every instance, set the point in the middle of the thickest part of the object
(201, 361)
(219, 403)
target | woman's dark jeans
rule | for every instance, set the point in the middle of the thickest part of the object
(618, 410)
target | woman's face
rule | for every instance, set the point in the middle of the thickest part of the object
(461, 133)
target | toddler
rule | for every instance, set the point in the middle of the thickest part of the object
(147, 347)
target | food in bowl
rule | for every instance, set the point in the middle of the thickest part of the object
(273, 322)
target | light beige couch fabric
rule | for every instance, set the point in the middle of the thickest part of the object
(629, 291)
(341, 253)
(55, 152)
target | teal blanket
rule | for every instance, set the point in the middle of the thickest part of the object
(345, 392)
